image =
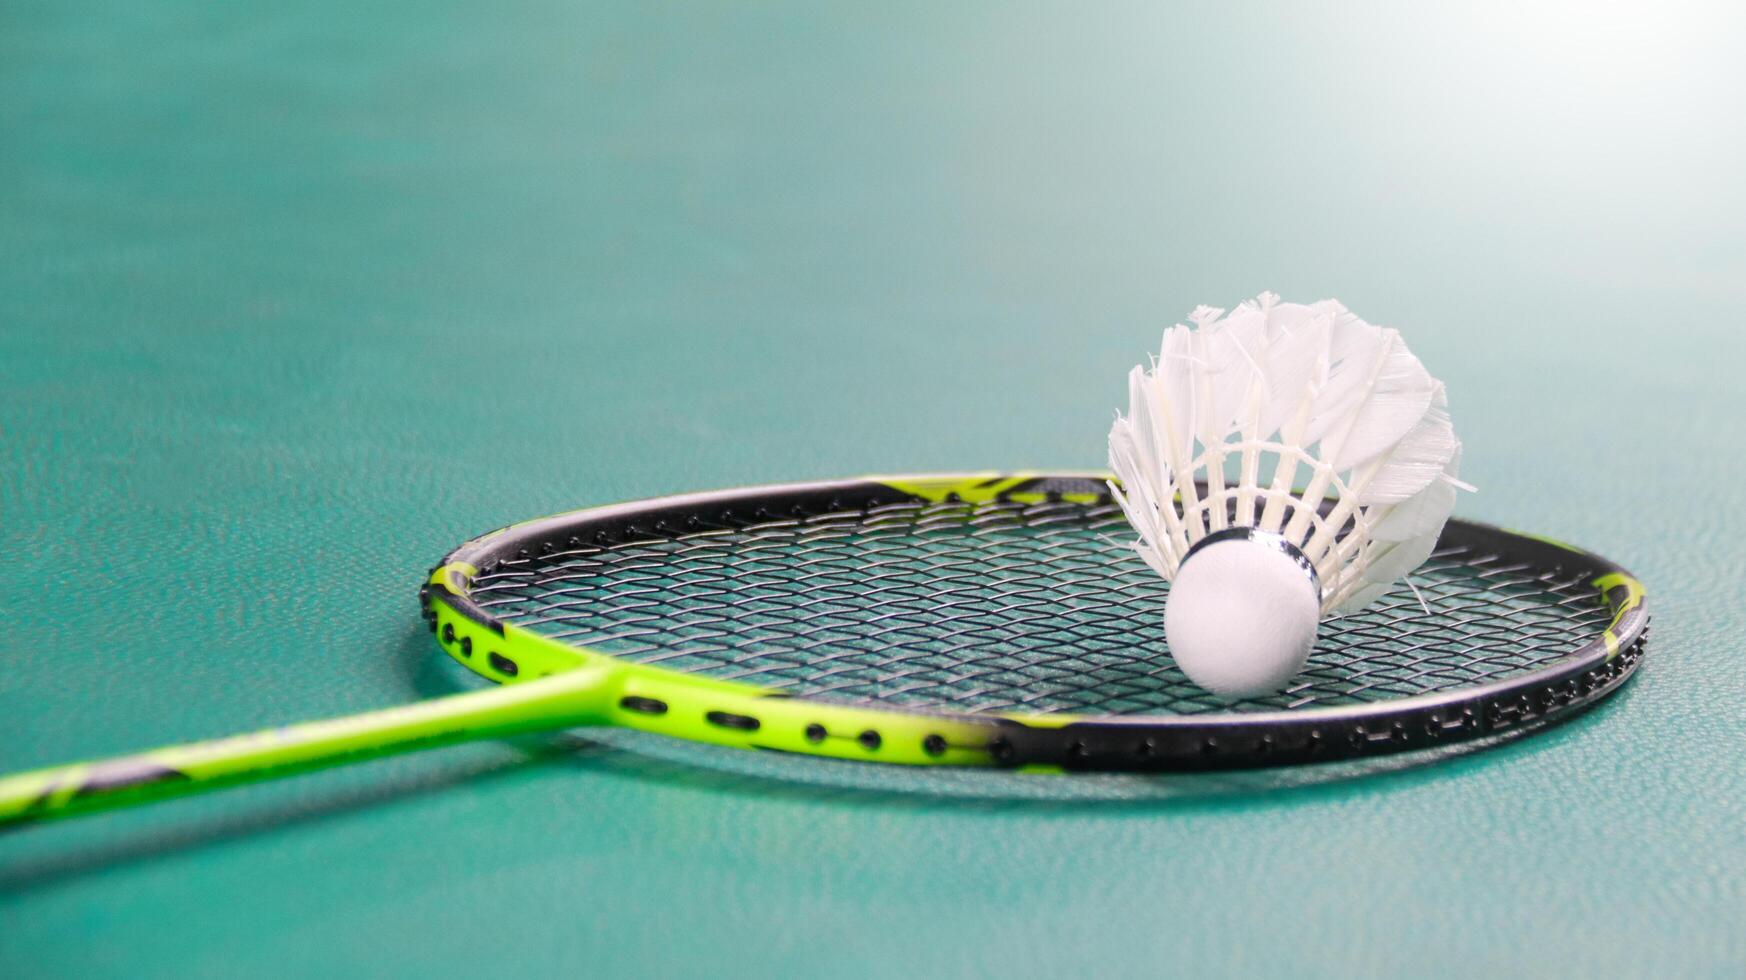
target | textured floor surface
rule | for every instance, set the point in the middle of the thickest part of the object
(294, 299)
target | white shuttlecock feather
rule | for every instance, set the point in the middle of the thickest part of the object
(1281, 464)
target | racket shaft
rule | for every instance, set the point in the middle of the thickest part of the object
(569, 699)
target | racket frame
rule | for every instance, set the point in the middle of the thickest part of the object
(703, 709)
(547, 684)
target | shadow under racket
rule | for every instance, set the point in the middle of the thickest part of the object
(66, 852)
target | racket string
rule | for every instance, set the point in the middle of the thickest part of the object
(997, 607)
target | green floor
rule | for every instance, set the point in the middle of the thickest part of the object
(295, 297)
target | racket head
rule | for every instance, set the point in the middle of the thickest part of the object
(999, 619)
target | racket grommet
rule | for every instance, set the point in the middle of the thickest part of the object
(1076, 750)
(466, 646)
(1209, 745)
(934, 745)
(869, 739)
(1146, 747)
(504, 665)
(448, 632)
(815, 733)
(1001, 749)
(727, 719)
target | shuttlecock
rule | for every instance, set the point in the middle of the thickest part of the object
(1281, 464)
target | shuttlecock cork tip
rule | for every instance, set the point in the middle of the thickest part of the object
(1241, 616)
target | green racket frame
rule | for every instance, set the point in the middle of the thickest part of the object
(745, 716)
(547, 684)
